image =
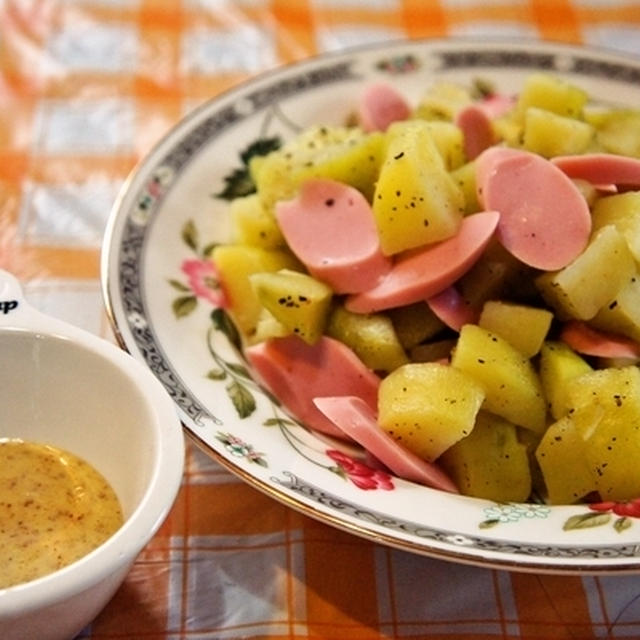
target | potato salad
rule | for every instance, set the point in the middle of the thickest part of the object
(453, 285)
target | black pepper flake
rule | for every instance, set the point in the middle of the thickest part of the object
(397, 157)
(329, 202)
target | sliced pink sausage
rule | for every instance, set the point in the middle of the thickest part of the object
(296, 373)
(380, 105)
(592, 342)
(497, 104)
(358, 420)
(476, 122)
(421, 273)
(331, 229)
(544, 218)
(476, 128)
(485, 165)
(601, 168)
(453, 309)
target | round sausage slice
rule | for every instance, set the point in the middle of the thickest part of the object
(331, 229)
(601, 169)
(421, 273)
(380, 105)
(476, 122)
(544, 218)
(296, 372)
(452, 309)
(591, 342)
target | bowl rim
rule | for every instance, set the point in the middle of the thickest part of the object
(120, 549)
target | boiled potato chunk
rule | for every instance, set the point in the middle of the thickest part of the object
(559, 364)
(561, 457)
(442, 101)
(619, 132)
(496, 275)
(344, 154)
(296, 300)
(252, 224)
(605, 406)
(490, 462)
(550, 134)
(268, 327)
(427, 407)
(415, 323)
(416, 201)
(593, 279)
(509, 128)
(235, 263)
(449, 142)
(511, 385)
(623, 211)
(622, 315)
(522, 326)
(371, 337)
(551, 93)
(434, 351)
(465, 177)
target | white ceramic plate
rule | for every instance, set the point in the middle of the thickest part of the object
(167, 215)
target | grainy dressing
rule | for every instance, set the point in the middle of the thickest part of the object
(54, 509)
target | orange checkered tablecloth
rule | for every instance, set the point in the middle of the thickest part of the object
(86, 88)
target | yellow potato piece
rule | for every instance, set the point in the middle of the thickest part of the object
(593, 279)
(550, 134)
(561, 457)
(345, 154)
(511, 384)
(235, 263)
(371, 336)
(427, 407)
(416, 201)
(490, 462)
(622, 314)
(546, 91)
(623, 211)
(296, 300)
(522, 326)
(559, 364)
(253, 225)
(415, 323)
(605, 407)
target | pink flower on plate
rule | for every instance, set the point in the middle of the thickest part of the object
(630, 508)
(203, 281)
(360, 474)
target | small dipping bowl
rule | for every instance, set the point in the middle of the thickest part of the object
(62, 386)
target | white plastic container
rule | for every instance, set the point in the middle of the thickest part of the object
(68, 388)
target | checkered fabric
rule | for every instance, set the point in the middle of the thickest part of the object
(86, 88)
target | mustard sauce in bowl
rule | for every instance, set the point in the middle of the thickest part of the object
(54, 509)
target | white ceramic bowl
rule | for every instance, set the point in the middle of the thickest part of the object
(64, 386)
